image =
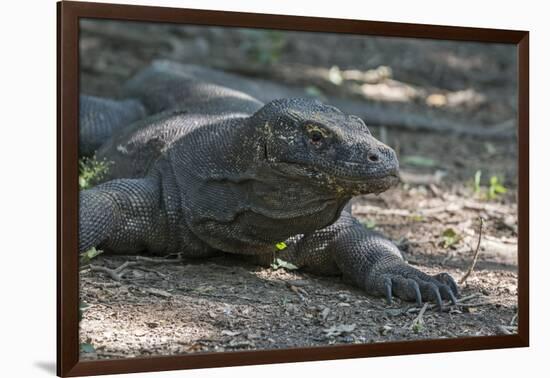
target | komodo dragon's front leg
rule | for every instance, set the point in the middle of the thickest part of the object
(122, 215)
(371, 261)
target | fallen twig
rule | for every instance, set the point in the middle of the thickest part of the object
(110, 272)
(419, 321)
(459, 302)
(468, 297)
(479, 304)
(476, 253)
(117, 273)
(158, 261)
(504, 330)
(105, 285)
(144, 269)
(301, 293)
(507, 330)
(514, 318)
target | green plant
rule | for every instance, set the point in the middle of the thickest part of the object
(278, 263)
(370, 224)
(90, 171)
(417, 327)
(87, 256)
(495, 188)
(450, 238)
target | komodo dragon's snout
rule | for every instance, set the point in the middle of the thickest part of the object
(311, 140)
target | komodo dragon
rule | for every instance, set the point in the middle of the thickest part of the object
(212, 169)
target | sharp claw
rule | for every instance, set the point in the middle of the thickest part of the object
(449, 293)
(438, 299)
(417, 292)
(447, 279)
(387, 284)
(453, 298)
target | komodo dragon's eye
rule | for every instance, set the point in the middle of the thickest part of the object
(316, 136)
(316, 133)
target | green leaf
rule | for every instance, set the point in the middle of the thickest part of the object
(87, 348)
(370, 224)
(450, 238)
(417, 327)
(278, 263)
(495, 188)
(91, 170)
(419, 161)
(86, 257)
(280, 246)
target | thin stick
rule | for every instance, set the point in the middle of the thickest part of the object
(485, 303)
(514, 319)
(110, 272)
(125, 265)
(118, 273)
(459, 302)
(504, 330)
(158, 261)
(418, 320)
(476, 253)
(468, 297)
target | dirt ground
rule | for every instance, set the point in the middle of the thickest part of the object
(174, 307)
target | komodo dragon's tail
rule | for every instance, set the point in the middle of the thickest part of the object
(100, 118)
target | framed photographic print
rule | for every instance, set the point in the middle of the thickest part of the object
(239, 188)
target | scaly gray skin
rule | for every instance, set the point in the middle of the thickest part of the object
(100, 118)
(240, 179)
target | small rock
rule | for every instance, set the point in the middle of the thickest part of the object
(240, 343)
(324, 313)
(339, 329)
(140, 332)
(385, 329)
(348, 339)
(159, 292)
(226, 332)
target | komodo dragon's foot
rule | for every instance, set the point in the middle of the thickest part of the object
(402, 280)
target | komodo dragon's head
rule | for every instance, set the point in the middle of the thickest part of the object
(308, 140)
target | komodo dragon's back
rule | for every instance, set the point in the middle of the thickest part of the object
(178, 102)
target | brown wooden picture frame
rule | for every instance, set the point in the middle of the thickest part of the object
(68, 15)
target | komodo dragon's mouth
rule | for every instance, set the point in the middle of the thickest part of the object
(382, 179)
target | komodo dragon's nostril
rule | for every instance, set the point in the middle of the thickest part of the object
(373, 157)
